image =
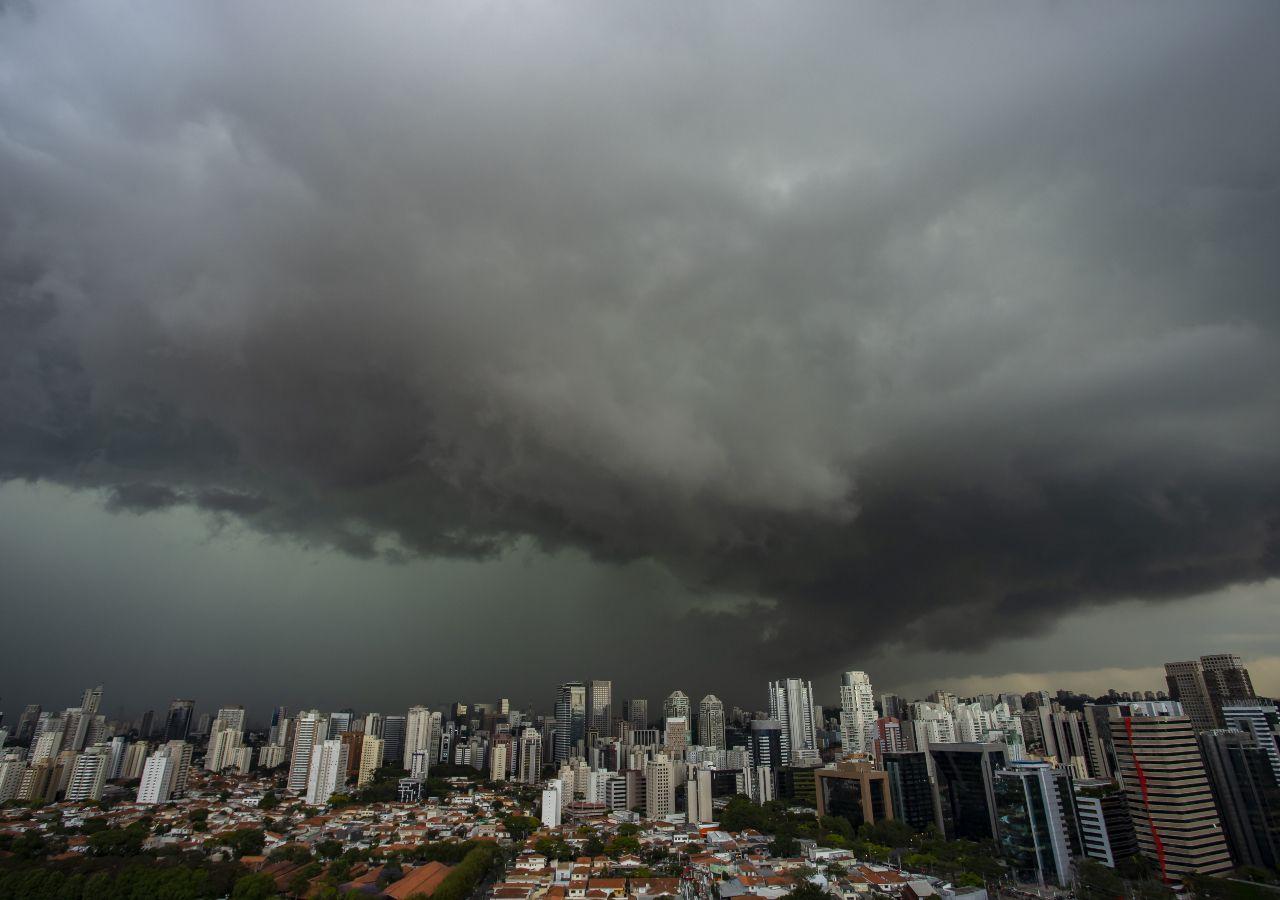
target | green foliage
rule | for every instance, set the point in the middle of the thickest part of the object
(295, 853)
(554, 848)
(257, 886)
(246, 841)
(520, 827)
(1094, 881)
(119, 841)
(269, 801)
(115, 879)
(593, 847)
(1206, 887)
(806, 890)
(329, 849)
(467, 875)
(622, 844)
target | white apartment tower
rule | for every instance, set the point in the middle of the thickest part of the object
(371, 750)
(530, 769)
(328, 771)
(659, 787)
(791, 704)
(156, 778)
(857, 713)
(310, 730)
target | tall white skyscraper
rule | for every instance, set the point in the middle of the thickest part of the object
(309, 730)
(498, 762)
(791, 704)
(711, 722)
(328, 770)
(530, 767)
(89, 774)
(857, 713)
(552, 798)
(417, 734)
(225, 739)
(157, 776)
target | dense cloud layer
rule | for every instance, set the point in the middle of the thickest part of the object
(920, 327)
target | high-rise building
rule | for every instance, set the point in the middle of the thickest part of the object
(27, 724)
(891, 705)
(910, 787)
(89, 774)
(530, 765)
(675, 736)
(393, 729)
(180, 753)
(552, 803)
(571, 719)
(1038, 834)
(1259, 719)
(676, 704)
(310, 730)
(1167, 791)
(1227, 679)
(341, 721)
(1206, 685)
(711, 722)
(765, 743)
(134, 760)
(659, 787)
(371, 750)
(157, 778)
(857, 713)
(965, 776)
(417, 734)
(791, 705)
(328, 772)
(1106, 831)
(177, 724)
(1247, 795)
(636, 711)
(224, 743)
(498, 762)
(600, 707)
(373, 724)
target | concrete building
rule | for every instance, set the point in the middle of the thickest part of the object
(417, 736)
(529, 768)
(1106, 831)
(328, 771)
(552, 803)
(177, 724)
(600, 707)
(791, 705)
(1167, 791)
(498, 762)
(157, 779)
(659, 787)
(1259, 719)
(675, 735)
(310, 730)
(711, 722)
(89, 774)
(371, 751)
(636, 711)
(857, 713)
(854, 790)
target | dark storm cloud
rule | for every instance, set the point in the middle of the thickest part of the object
(924, 327)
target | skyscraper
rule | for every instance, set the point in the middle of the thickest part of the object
(711, 722)
(571, 719)
(1261, 720)
(371, 751)
(636, 711)
(600, 706)
(676, 704)
(965, 775)
(857, 713)
(1039, 833)
(328, 770)
(659, 787)
(1167, 789)
(1247, 795)
(177, 724)
(1206, 685)
(417, 734)
(791, 704)
(309, 731)
(530, 764)
(393, 728)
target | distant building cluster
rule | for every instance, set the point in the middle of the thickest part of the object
(1187, 779)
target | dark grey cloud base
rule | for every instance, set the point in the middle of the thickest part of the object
(927, 325)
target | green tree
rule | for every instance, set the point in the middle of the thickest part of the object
(269, 801)
(257, 886)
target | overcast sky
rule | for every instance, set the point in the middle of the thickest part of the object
(386, 354)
